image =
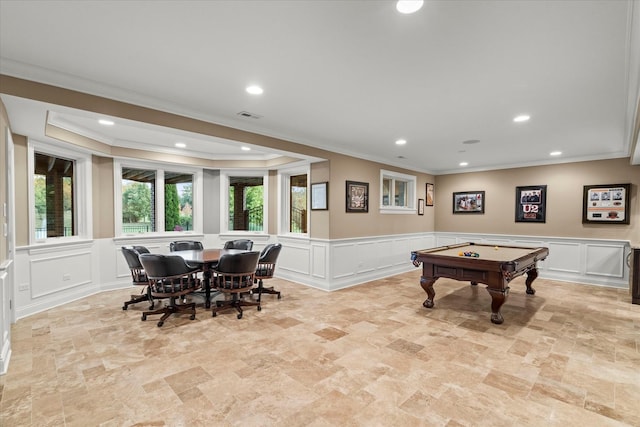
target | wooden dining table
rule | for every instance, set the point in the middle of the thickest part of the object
(207, 259)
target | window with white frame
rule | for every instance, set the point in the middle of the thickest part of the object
(293, 199)
(244, 196)
(151, 198)
(397, 192)
(60, 200)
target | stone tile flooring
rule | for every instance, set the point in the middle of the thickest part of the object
(370, 355)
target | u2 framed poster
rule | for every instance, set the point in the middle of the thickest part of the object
(531, 203)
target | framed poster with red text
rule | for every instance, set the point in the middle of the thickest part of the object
(531, 203)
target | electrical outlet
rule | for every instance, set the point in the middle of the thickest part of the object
(23, 287)
(66, 276)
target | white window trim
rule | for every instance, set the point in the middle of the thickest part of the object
(411, 190)
(284, 186)
(160, 169)
(224, 199)
(83, 213)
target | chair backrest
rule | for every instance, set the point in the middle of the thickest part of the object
(141, 249)
(245, 244)
(158, 266)
(270, 253)
(133, 261)
(241, 263)
(185, 245)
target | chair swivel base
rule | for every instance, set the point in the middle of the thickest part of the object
(170, 309)
(136, 299)
(234, 303)
(269, 290)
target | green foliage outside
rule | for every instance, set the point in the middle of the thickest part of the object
(171, 207)
(136, 202)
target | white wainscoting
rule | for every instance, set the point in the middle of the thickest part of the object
(49, 276)
(590, 261)
(5, 316)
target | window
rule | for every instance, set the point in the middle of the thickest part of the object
(59, 195)
(245, 207)
(298, 204)
(294, 200)
(153, 199)
(397, 192)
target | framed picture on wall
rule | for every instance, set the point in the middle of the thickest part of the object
(606, 204)
(357, 199)
(319, 196)
(420, 206)
(468, 202)
(531, 203)
(430, 194)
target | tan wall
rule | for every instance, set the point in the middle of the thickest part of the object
(102, 197)
(319, 220)
(373, 223)
(4, 125)
(20, 157)
(564, 200)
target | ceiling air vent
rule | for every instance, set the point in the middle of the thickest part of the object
(248, 115)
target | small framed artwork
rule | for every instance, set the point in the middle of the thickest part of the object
(420, 206)
(320, 196)
(357, 196)
(468, 202)
(429, 194)
(606, 204)
(531, 203)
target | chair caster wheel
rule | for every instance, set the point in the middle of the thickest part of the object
(240, 316)
(259, 308)
(214, 314)
(144, 317)
(192, 317)
(279, 296)
(124, 307)
(160, 323)
(151, 307)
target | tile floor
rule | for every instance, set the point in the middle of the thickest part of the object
(370, 355)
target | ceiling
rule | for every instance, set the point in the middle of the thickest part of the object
(346, 76)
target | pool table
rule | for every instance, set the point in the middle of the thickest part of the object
(492, 265)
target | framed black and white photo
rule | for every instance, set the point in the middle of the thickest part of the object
(468, 202)
(357, 199)
(606, 204)
(320, 196)
(531, 203)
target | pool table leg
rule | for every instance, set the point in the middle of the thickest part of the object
(531, 276)
(427, 285)
(498, 297)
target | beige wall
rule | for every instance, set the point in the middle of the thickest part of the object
(373, 223)
(20, 156)
(102, 197)
(564, 200)
(4, 125)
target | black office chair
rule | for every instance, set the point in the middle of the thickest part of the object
(170, 277)
(266, 268)
(138, 275)
(234, 276)
(185, 245)
(245, 244)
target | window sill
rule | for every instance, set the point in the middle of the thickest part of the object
(401, 211)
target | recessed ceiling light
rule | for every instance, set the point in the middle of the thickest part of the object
(106, 122)
(521, 118)
(555, 153)
(409, 6)
(471, 141)
(246, 149)
(254, 90)
(464, 164)
(401, 142)
(181, 144)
